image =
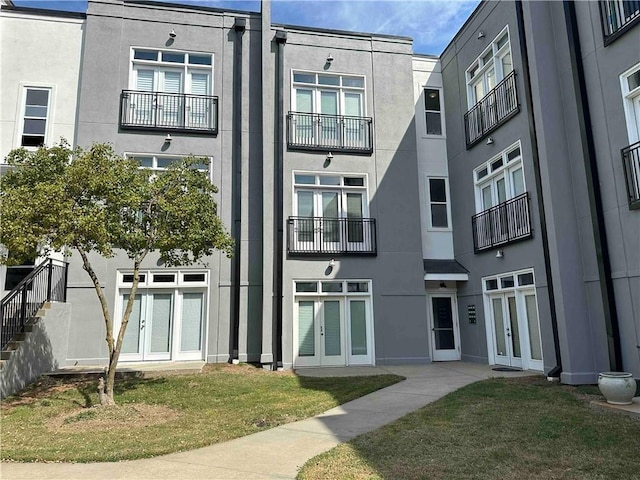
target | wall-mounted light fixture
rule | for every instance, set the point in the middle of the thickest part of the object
(168, 138)
(499, 254)
(332, 262)
(329, 157)
(443, 285)
(480, 34)
(330, 58)
(490, 141)
(173, 34)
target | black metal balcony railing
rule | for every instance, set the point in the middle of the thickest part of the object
(336, 133)
(495, 108)
(631, 164)
(323, 235)
(169, 111)
(505, 223)
(617, 17)
(46, 283)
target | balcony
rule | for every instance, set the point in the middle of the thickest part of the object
(334, 133)
(495, 108)
(507, 222)
(169, 111)
(631, 165)
(334, 236)
(617, 17)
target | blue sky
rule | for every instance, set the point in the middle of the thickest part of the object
(431, 23)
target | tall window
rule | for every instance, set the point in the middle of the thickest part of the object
(499, 179)
(494, 64)
(35, 116)
(432, 111)
(174, 74)
(438, 205)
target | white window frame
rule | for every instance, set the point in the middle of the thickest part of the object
(342, 188)
(479, 68)
(502, 172)
(629, 97)
(154, 161)
(177, 288)
(158, 65)
(426, 111)
(430, 202)
(519, 291)
(346, 295)
(19, 130)
(317, 88)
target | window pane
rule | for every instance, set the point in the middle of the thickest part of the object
(145, 55)
(353, 82)
(305, 204)
(634, 80)
(32, 140)
(354, 181)
(506, 282)
(144, 161)
(164, 162)
(353, 104)
(328, 80)
(332, 328)
(534, 327)
(434, 125)
(487, 57)
(173, 57)
(191, 332)
(357, 314)
(35, 111)
(482, 173)
(164, 278)
(131, 340)
(306, 329)
(329, 180)
(497, 164)
(34, 126)
(329, 103)
(129, 278)
(507, 65)
(357, 287)
(304, 77)
(518, 182)
(525, 279)
(492, 284)
(304, 101)
(200, 83)
(437, 190)
(200, 59)
(439, 215)
(193, 277)
(503, 41)
(331, 287)
(37, 97)
(431, 100)
(161, 311)
(305, 179)
(304, 287)
(515, 153)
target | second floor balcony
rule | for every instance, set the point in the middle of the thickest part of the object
(504, 223)
(329, 133)
(495, 108)
(169, 111)
(334, 236)
(631, 165)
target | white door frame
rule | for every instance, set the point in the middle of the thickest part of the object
(443, 355)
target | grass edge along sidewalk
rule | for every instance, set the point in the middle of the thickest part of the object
(55, 420)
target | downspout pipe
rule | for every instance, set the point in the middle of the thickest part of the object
(533, 135)
(239, 26)
(593, 189)
(281, 40)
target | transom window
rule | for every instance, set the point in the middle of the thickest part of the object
(499, 179)
(494, 64)
(162, 162)
(35, 116)
(340, 287)
(432, 111)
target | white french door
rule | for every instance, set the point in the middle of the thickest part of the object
(321, 332)
(506, 329)
(444, 327)
(164, 325)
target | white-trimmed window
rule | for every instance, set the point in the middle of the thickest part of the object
(161, 162)
(630, 87)
(499, 179)
(432, 111)
(493, 65)
(35, 116)
(168, 317)
(328, 94)
(438, 195)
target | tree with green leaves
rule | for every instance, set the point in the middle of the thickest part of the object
(94, 200)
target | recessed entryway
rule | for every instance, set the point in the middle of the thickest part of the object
(443, 325)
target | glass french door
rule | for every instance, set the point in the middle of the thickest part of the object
(321, 332)
(329, 121)
(444, 328)
(506, 329)
(163, 326)
(164, 110)
(318, 226)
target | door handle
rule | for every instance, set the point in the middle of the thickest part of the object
(321, 333)
(142, 324)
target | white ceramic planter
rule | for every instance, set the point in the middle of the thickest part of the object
(617, 387)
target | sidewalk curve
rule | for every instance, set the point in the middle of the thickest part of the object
(280, 452)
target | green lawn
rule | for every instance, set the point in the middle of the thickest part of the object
(53, 421)
(524, 428)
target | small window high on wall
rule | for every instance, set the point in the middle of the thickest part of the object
(35, 116)
(432, 111)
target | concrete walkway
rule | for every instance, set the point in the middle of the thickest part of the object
(280, 452)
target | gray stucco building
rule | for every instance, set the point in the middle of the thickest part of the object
(387, 207)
